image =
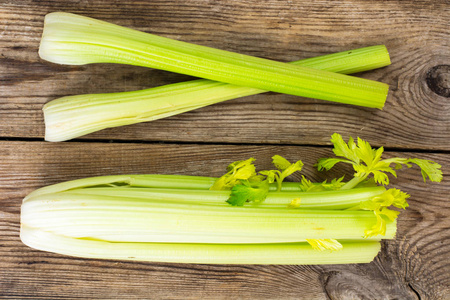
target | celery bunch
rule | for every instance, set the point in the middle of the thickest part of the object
(74, 40)
(244, 216)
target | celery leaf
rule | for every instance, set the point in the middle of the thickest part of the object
(325, 244)
(237, 171)
(429, 169)
(328, 163)
(295, 167)
(307, 186)
(271, 175)
(344, 150)
(247, 192)
(295, 203)
(379, 205)
(367, 161)
(285, 168)
(280, 162)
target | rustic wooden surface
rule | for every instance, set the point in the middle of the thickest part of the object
(415, 122)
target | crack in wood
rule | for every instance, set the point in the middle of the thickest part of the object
(194, 143)
(414, 291)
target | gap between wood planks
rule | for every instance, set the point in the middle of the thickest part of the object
(125, 141)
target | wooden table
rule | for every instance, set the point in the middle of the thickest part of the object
(414, 123)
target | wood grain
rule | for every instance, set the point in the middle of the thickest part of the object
(415, 122)
(416, 116)
(414, 266)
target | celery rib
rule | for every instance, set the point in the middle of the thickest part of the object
(73, 116)
(282, 254)
(73, 39)
(147, 180)
(155, 181)
(95, 215)
(339, 199)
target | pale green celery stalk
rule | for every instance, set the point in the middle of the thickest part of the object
(282, 254)
(73, 116)
(146, 180)
(339, 199)
(77, 40)
(112, 219)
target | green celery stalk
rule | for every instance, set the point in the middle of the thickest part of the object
(340, 199)
(145, 220)
(146, 180)
(73, 116)
(77, 40)
(282, 254)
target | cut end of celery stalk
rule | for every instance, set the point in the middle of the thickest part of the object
(282, 254)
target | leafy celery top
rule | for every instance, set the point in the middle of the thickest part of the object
(249, 186)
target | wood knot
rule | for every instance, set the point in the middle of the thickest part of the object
(438, 80)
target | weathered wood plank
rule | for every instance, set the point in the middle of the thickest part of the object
(414, 266)
(415, 32)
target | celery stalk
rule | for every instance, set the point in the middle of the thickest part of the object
(340, 199)
(73, 116)
(146, 180)
(299, 253)
(282, 254)
(77, 40)
(143, 220)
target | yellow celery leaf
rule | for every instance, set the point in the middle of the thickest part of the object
(325, 244)
(295, 203)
